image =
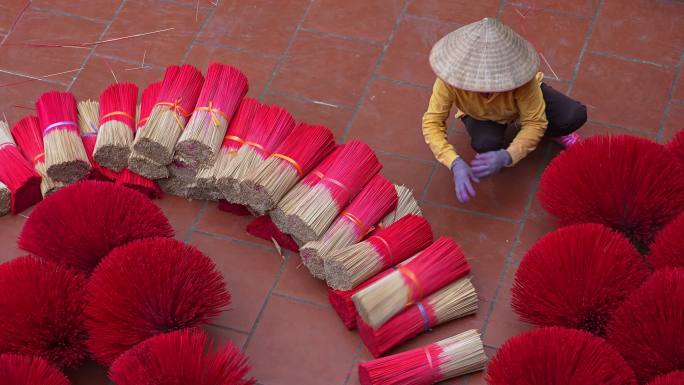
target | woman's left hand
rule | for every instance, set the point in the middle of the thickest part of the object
(489, 163)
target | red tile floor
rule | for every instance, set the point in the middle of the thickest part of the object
(360, 67)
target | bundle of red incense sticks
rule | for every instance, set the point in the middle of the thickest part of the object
(179, 92)
(117, 125)
(271, 125)
(223, 89)
(456, 300)
(448, 358)
(374, 201)
(65, 157)
(299, 153)
(341, 300)
(238, 128)
(406, 205)
(348, 267)
(29, 138)
(353, 167)
(137, 162)
(441, 263)
(88, 116)
(17, 174)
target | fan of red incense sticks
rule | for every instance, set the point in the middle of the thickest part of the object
(674, 378)
(42, 311)
(647, 328)
(21, 179)
(148, 287)
(576, 277)
(668, 248)
(65, 157)
(78, 225)
(435, 267)
(28, 370)
(374, 201)
(177, 97)
(182, 357)
(558, 356)
(351, 169)
(220, 96)
(456, 300)
(624, 182)
(448, 358)
(348, 267)
(29, 138)
(117, 125)
(303, 149)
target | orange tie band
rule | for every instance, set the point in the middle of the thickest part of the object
(354, 220)
(119, 113)
(291, 161)
(178, 111)
(387, 247)
(259, 147)
(214, 113)
(416, 293)
(38, 158)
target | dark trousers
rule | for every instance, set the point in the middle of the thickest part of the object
(564, 114)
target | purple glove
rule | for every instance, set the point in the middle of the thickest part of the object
(462, 180)
(489, 163)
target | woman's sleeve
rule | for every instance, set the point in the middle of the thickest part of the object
(434, 124)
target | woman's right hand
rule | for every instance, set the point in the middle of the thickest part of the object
(463, 178)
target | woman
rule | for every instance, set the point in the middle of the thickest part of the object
(491, 75)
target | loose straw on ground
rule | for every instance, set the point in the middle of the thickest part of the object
(177, 97)
(305, 147)
(348, 267)
(65, 157)
(374, 201)
(454, 301)
(30, 139)
(223, 89)
(439, 264)
(117, 125)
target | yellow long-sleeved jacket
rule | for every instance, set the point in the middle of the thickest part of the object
(524, 104)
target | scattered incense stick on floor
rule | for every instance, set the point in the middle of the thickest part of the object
(352, 169)
(88, 117)
(374, 201)
(223, 89)
(407, 205)
(341, 300)
(456, 300)
(29, 138)
(117, 125)
(5, 199)
(140, 164)
(348, 267)
(305, 147)
(284, 212)
(17, 174)
(271, 125)
(177, 97)
(441, 263)
(65, 157)
(448, 358)
(238, 128)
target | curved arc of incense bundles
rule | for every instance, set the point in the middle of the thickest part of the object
(17, 174)
(271, 125)
(222, 91)
(29, 138)
(348, 267)
(353, 167)
(449, 358)
(454, 301)
(179, 92)
(65, 157)
(375, 200)
(117, 125)
(439, 264)
(300, 152)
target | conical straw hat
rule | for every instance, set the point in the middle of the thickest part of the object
(485, 56)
